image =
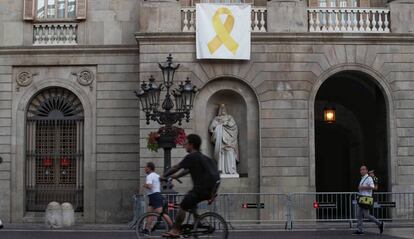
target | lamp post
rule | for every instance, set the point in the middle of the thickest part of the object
(149, 96)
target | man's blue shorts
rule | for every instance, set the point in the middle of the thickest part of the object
(156, 200)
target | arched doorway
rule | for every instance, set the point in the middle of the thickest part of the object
(54, 149)
(358, 136)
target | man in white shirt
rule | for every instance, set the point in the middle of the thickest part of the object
(153, 190)
(366, 185)
(1, 224)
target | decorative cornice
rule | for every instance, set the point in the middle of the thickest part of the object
(23, 50)
(286, 38)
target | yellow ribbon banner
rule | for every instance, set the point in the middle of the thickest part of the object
(223, 32)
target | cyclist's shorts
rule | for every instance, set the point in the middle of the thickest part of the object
(155, 200)
(191, 200)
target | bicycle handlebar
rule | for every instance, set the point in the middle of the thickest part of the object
(170, 179)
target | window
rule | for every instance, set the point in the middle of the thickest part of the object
(58, 10)
(222, 1)
(55, 9)
(337, 3)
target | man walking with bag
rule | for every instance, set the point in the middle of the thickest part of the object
(365, 201)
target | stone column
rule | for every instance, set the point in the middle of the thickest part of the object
(402, 16)
(287, 16)
(160, 16)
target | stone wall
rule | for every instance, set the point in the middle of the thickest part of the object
(5, 138)
(107, 22)
(285, 73)
(111, 125)
(106, 45)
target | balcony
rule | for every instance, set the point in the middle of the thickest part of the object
(357, 20)
(55, 34)
(259, 19)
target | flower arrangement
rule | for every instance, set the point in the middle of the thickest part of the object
(152, 143)
(153, 137)
(180, 136)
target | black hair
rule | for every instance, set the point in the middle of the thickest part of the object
(195, 140)
(151, 166)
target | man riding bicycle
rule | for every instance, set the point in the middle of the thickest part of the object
(205, 177)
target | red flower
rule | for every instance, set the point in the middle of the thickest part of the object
(152, 141)
(180, 136)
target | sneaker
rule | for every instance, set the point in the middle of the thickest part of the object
(381, 227)
(358, 233)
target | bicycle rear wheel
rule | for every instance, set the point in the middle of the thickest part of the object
(151, 225)
(210, 225)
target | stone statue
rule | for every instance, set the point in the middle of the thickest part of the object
(225, 139)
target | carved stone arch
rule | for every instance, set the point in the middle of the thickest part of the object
(20, 106)
(54, 162)
(243, 104)
(384, 86)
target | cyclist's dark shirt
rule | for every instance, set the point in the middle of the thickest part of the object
(203, 171)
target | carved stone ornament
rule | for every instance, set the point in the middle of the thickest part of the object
(24, 78)
(85, 77)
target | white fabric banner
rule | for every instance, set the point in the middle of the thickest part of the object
(223, 31)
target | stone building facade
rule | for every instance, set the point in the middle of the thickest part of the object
(90, 60)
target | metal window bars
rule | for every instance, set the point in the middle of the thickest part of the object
(54, 150)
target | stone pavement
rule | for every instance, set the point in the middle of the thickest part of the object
(127, 234)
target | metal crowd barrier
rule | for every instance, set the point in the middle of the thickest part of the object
(246, 209)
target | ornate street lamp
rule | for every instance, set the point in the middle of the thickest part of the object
(149, 96)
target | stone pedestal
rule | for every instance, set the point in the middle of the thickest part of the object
(287, 16)
(402, 16)
(160, 16)
(223, 176)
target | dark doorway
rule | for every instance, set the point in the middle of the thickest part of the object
(359, 134)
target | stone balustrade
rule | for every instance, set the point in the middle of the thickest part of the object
(362, 20)
(50, 34)
(259, 17)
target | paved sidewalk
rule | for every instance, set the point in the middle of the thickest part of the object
(128, 234)
(109, 231)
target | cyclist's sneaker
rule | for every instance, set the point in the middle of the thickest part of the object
(145, 231)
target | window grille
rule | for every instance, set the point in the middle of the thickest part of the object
(54, 150)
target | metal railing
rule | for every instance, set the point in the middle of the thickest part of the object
(258, 19)
(55, 34)
(361, 20)
(266, 209)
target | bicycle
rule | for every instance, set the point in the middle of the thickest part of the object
(206, 225)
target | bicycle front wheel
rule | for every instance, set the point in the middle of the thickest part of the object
(151, 225)
(211, 225)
